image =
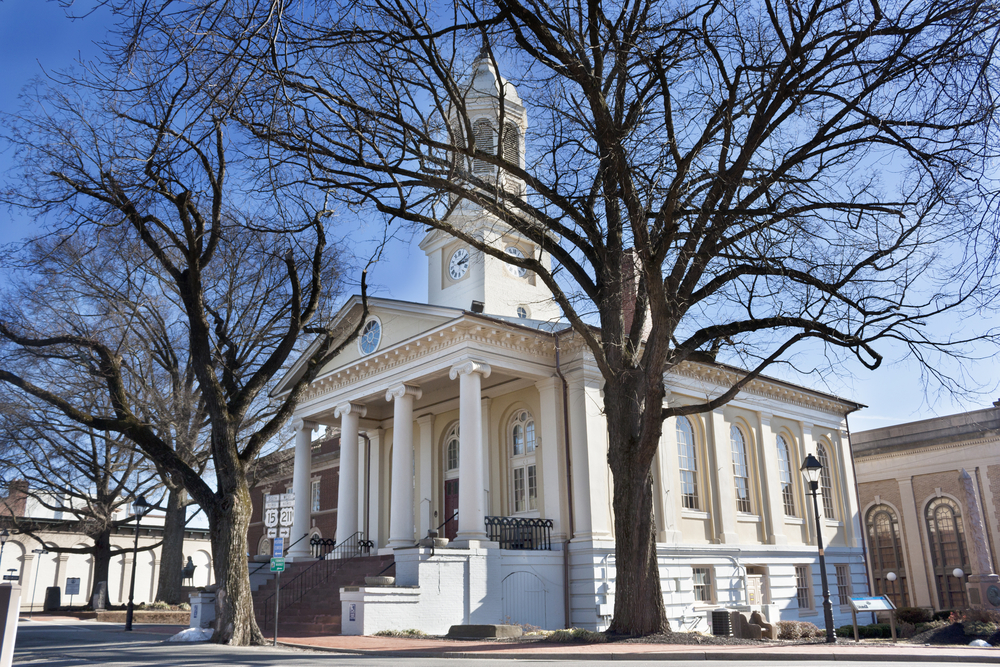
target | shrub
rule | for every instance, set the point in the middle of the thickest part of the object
(788, 630)
(906, 630)
(943, 615)
(913, 615)
(184, 606)
(931, 625)
(979, 628)
(846, 631)
(159, 605)
(982, 615)
(798, 630)
(411, 632)
(575, 635)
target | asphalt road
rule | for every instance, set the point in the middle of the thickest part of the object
(56, 644)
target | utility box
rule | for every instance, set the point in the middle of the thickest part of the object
(721, 626)
(202, 609)
(53, 599)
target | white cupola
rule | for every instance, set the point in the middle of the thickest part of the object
(457, 273)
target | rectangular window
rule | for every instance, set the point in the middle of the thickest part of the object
(518, 489)
(702, 577)
(532, 489)
(315, 495)
(843, 585)
(803, 587)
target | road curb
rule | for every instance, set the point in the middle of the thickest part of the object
(877, 656)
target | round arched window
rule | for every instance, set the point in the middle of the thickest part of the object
(371, 336)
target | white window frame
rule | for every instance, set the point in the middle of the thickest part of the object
(315, 495)
(687, 465)
(786, 472)
(737, 436)
(708, 586)
(826, 485)
(804, 588)
(524, 476)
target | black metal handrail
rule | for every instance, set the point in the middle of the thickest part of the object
(520, 533)
(317, 573)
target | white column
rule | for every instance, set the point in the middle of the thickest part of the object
(401, 523)
(425, 468)
(300, 486)
(547, 428)
(347, 486)
(471, 505)
(372, 515)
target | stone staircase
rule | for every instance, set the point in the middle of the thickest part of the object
(317, 613)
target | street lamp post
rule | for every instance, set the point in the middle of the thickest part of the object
(38, 558)
(811, 467)
(139, 508)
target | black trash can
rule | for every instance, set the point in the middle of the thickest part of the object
(720, 623)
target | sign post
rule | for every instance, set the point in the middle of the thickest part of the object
(279, 510)
(72, 588)
(873, 604)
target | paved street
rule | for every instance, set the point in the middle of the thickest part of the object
(63, 643)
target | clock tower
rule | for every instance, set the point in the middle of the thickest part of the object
(458, 274)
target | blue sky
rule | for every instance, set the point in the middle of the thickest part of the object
(35, 36)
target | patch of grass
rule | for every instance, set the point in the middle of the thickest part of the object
(577, 636)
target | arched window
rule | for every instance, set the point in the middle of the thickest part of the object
(825, 482)
(485, 136)
(886, 554)
(785, 472)
(451, 453)
(688, 464)
(947, 539)
(511, 143)
(450, 458)
(523, 476)
(741, 470)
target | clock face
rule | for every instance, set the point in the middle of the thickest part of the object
(459, 264)
(518, 271)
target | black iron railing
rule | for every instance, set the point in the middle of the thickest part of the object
(519, 533)
(330, 558)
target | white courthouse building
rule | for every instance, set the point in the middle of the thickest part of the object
(482, 402)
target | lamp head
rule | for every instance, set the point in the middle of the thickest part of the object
(958, 573)
(811, 468)
(891, 576)
(140, 506)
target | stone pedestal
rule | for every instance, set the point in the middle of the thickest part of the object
(983, 591)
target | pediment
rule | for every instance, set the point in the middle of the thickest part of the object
(398, 321)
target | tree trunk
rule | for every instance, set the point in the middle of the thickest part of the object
(633, 435)
(168, 588)
(102, 560)
(234, 618)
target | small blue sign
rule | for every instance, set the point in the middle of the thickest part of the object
(279, 547)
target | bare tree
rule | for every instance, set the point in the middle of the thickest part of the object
(154, 166)
(725, 179)
(86, 478)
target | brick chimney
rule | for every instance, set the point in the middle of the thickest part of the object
(16, 501)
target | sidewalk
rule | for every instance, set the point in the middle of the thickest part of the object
(445, 648)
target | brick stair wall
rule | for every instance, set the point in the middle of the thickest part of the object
(318, 612)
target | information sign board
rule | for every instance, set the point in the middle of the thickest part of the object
(10, 577)
(277, 565)
(73, 586)
(880, 603)
(279, 546)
